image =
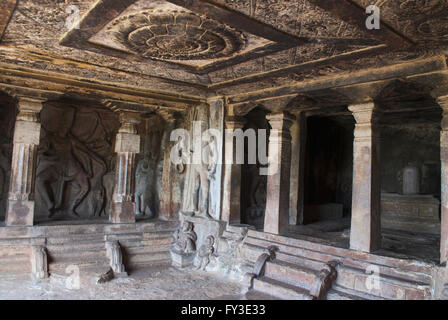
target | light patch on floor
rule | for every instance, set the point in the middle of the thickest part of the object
(164, 283)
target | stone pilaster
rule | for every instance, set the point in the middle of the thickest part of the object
(167, 212)
(231, 206)
(298, 146)
(127, 145)
(365, 233)
(20, 205)
(443, 102)
(277, 202)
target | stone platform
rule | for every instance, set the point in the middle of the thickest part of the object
(415, 213)
(82, 244)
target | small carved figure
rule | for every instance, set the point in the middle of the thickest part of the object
(39, 262)
(205, 251)
(185, 238)
(116, 258)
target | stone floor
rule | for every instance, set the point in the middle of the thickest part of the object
(395, 243)
(161, 283)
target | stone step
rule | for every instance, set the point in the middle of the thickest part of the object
(143, 258)
(319, 254)
(146, 250)
(290, 273)
(15, 267)
(317, 249)
(341, 293)
(77, 256)
(146, 242)
(280, 289)
(73, 247)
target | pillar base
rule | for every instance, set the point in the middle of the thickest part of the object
(122, 212)
(19, 213)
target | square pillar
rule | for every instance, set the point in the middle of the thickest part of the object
(127, 145)
(231, 205)
(277, 201)
(365, 233)
(298, 146)
(20, 203)
(443, 102)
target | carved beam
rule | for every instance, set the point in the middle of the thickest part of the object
(426, 69)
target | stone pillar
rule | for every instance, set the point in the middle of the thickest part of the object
(127, 145)
(20, 204)
(298, 146)
(231, 207)
(167, 212)
(277, 201)
(443, 102)
(365, 233)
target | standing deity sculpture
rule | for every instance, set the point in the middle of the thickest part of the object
(143, 177)
(202, 174)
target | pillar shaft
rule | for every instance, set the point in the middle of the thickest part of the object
(298, 146)
(277, 201)
(127, 145)
(231, 206)
(365, 234)
(443, 102)
(20, 204)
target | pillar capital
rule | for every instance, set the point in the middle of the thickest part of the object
(443, 101)
(364, 113)
(235, 122)
(29, 108)
(129, 122)
(280, 120)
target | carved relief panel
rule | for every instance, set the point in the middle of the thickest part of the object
(75, 165)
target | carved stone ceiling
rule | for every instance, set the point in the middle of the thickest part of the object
(224, 46)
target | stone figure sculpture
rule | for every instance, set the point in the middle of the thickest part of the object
(185, 238)
(116, 257)
(39, 262)
(205, 251)
(143, 176)
(202, 174)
